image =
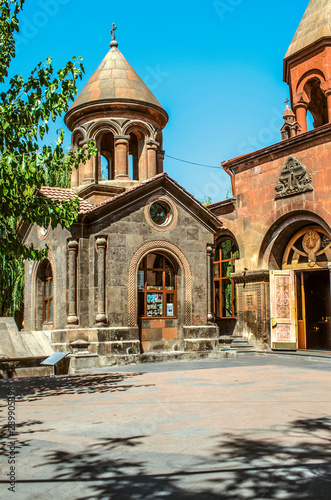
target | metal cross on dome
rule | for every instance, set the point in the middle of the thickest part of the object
(287, 101)
(113, 31)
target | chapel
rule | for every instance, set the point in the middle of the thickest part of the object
(134, 273)
(148, 269)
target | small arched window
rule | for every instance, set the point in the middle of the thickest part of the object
(157, 287)
(47, 284)
(225, 298)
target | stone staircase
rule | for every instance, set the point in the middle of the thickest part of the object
(239, 345)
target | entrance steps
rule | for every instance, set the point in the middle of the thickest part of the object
(240, 345)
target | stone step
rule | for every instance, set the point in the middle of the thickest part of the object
(240, 343)
(246, 353)
(242, 347)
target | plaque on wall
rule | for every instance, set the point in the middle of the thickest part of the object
(250, 301)
(170, 309)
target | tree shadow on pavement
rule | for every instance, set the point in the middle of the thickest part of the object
(22, 431)
(111, 477)
(294, 464)
(33, 389)
(297, 465)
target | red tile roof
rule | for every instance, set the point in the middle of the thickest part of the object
(62, 194)
(59, 194)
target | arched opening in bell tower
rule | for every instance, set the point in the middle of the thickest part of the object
(317, 106)
(106, 157)
(134, 156)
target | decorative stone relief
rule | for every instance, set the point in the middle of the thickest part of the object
(294, 179)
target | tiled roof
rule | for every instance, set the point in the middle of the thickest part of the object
(62, 194)
(315, 24)
(87, 208)
(115, 79)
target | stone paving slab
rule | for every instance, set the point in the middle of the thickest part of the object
(257, 428)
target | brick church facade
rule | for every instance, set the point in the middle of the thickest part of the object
(147, 268)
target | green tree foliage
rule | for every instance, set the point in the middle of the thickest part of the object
(12, 285)
(206, 201)
(26, 109)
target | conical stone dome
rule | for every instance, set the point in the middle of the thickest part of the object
(114, 83)
(315, 24)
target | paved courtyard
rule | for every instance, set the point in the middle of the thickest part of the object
(247, 428)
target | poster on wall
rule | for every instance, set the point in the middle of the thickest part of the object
(170, 309)
(141, 280)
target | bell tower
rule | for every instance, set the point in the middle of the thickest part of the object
(122, 116)
(307, 66)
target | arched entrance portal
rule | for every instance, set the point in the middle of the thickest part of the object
(300, 293)
(160, 296)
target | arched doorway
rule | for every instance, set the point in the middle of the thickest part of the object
(158, 309)
(308, 253)
(300, 292)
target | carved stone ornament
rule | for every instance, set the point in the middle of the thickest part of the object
(294, 179)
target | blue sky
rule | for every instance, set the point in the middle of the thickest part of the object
(215, 66)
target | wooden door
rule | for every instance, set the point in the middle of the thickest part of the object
(283, 310)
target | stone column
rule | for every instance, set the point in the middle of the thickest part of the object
(143, 161)
(210, 255)
(301, 114)
(122, 156)
(101, 243)
(152, 162)
(160, 160)
(72, 318)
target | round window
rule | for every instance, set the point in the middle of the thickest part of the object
(160, 213)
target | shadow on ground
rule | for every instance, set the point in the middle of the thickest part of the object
(20, 434)
(238, 468)
(32, 389)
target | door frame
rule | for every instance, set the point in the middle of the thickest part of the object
(301, 323)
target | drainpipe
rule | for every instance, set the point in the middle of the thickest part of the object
(232, 175)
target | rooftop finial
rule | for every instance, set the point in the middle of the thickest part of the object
(113, 43)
